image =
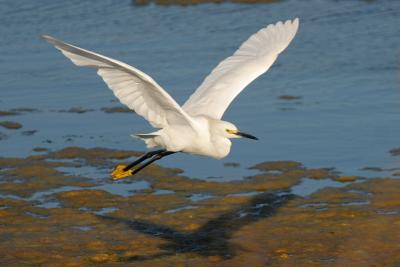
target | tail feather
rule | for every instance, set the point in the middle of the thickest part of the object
(147, 138)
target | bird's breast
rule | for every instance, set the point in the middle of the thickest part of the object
(194, 141)
(207, 147)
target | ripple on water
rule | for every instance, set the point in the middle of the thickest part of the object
(163, 192)
(83, 228)
(199, 197)
(188, 207)
(105, 211)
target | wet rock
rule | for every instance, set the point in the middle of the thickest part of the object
(345, 179)
(16, 111)
(78, 110)
(395, 151)
(8, 113)
(322, 173)
(117, 110)
(24, 110)
(40, 149)
(232, 164)
(29, 132)
(290, 97)
(10, 125)
(374, 169)
(278, 166)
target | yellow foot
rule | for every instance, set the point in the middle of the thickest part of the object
(119, 173)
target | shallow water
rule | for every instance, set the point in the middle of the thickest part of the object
(54, 212)
(331, 100)
(344, 64)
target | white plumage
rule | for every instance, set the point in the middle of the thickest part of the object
(195, 127)
(254, 57)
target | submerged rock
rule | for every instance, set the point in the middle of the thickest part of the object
(395, 151)
(290, 97)
(10, 125)
(8, 113)
(117, 110)
(78, 110)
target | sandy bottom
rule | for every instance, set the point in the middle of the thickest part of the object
(61, 209)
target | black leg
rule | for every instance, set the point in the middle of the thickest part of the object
(144, 157)
(156, 157)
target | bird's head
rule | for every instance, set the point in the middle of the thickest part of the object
(229, 130)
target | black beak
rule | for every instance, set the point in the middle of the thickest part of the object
(246, 135)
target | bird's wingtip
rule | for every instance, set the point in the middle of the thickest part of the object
(292, 23)
(48, 39)
(45, 37)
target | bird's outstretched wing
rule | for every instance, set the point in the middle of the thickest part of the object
(131, 86)
(232, 75)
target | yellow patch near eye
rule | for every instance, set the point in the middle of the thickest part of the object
(231, 131)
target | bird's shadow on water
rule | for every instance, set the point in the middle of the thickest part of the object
(213, 237)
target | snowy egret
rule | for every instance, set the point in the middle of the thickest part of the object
(196, 127)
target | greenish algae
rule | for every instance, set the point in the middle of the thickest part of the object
(12, 125)
(252, 222)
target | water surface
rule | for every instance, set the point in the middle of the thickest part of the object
(343, 64)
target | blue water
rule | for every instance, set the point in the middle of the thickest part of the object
(344, 63)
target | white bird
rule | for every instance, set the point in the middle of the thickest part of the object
(196, 127)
